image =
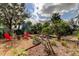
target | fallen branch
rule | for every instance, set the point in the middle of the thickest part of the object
(32, 46)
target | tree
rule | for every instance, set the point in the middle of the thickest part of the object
(37, 28)
(60, 27)
(29, 23)
(47, 30)
(12, 14)
(46, 24)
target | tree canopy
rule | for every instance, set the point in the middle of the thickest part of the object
(12, 14)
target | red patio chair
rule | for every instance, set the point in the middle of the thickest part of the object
(26, 35)
(7, 36)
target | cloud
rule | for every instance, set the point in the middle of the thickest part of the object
(43, 11)
(49, 8)
(32, 20)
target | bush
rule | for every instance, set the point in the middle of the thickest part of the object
(35, 40)
(77, 34)
(53, 43)
(47, 30)
(64, 43)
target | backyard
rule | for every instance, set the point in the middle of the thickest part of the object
(21, 37)
(18, 47)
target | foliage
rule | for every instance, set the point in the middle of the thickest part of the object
(29, 23)
(37, 28)
(35, 40)
(28, 26)
(53, 43)
(64, 43)
(77, 34)
(46, 24)
(59, 26)
(47, 30)
(11, 14)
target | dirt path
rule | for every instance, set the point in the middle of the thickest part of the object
(71, 37)
(24, 44)
(37, 51)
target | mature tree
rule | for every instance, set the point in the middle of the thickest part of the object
(47, 30)
(46, 24)
(37, 28)
(59, 26)
(12, 14)
(29, 23)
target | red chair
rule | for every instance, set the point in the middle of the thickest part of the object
(7, 36)
(26, 35)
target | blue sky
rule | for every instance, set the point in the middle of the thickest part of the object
(69, 15)
(30, 7)
(34, 11)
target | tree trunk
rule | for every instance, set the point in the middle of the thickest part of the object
(10, 25)
(59, 37)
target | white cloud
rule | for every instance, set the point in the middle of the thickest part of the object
(62, 7)
(32, 20)
(46, 9)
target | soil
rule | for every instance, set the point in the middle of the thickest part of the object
(71, 48)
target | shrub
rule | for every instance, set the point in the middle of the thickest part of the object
(77, 34)
(35, 40)
(64, 43)
(53, 43)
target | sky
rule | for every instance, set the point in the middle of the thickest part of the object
(43, 11)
